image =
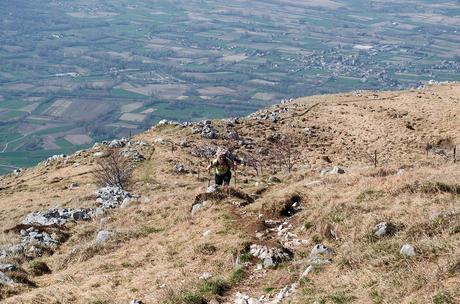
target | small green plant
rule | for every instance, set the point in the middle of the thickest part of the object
(370, 195)
(245, 257)
(307, 225)
(341, 297)
(237, 275)
(193, 298)
(215, 287)
(268, 289)
(376, 296)
(443, 298)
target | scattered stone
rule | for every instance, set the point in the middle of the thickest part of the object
(55, 158)
(160, 141)
(73, 186)
(384, 229)
(183, 143)
(319, 249)
(209, 132)
(57, 216)
(32, 236)
(136, 302)
(8, 267)
(206, 276)
(181, 169)
(103, 236)
(18, 171)
(212, 188)
(207, 151)
(317, 254)
(233, 135)
(407, 250)
(241, 298)
(272, 223)
(270, 256)
(307, 271)
(334, 170)
(134, 155)
(206, 233)
(197, 207)
(5, 280)
(273, 180)
(117, 143)
(100, 154)
(111, 196)
(308, 131)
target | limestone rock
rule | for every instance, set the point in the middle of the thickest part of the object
(270, 256)
(5, 280)
(111, 196)
(57, 216)
(103, 236)
(8, 267)
(333, 170)
(407, 250)
(384, 229)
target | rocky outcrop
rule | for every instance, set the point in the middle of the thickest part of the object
(111, 197)
(57, 216)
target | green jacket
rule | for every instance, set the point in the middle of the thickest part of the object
(222, 169)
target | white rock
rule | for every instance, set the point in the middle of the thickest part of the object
(5, 280)
(407, 250)
(206, 233)
(103, 236)
(196, 207)
(307, 271)
(206, 276)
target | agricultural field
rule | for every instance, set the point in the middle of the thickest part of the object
(76, 72)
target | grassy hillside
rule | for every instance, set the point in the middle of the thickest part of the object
(159, 252)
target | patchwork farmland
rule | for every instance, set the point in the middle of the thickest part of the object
(73, 73)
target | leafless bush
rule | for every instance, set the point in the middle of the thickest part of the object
(114, 170)
(285, 151)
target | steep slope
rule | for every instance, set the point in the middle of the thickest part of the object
(159, 252)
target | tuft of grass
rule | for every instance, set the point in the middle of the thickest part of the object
(191, 298)
(370, 195)
(206, 249)
(443, 297)
(38, 268)
(268, 289)
(237, 275)
(376, 296)
(307, 225)
(432, 188)
(341, 297)
(214, 287)
(245, 257)
(21, 277)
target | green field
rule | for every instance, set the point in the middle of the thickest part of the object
(71, 61)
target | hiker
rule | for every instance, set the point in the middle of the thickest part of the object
(223, 166)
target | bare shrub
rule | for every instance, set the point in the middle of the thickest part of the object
(285, 151)
(114, 170)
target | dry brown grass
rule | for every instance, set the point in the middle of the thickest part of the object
(158, 246)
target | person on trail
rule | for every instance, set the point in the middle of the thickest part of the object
(223, 166)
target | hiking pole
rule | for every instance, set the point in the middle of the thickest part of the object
(236, 175)
(209, 177)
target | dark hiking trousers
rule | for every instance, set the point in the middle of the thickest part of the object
(223, 179)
